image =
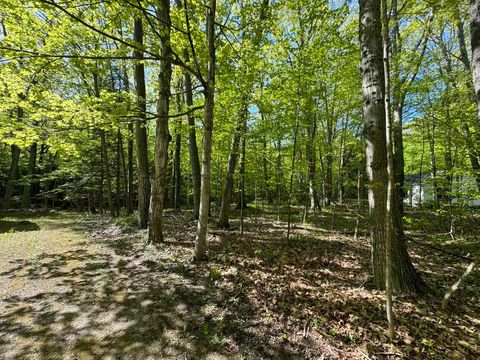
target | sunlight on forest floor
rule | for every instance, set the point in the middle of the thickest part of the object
(76, 286)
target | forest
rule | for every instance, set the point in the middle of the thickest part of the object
(239, 179)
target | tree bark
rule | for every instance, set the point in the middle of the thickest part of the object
(117, 175)
(310, 153)
(32, 164)
(157, 202)
(141, 130)
(390, 227)
(201, 243)
(223, 218)
(433, 162)
(241, 203)
(405, 278)
(177, 176)
(129, 167)
(108, 177)
(475, 44)
(329, 164)
(12, 176)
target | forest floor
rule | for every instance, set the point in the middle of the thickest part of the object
(74, 286)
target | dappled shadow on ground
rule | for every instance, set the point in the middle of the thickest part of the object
(259, 296)
(7, 226)
(111, 297)
(312, 294)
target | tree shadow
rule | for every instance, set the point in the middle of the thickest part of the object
(116, 302)
(9, 226)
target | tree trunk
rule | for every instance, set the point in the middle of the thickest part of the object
(141, 131)
(241, 203)
(433, 163)
(279, 176)
(405, 278)
(475, 44)
(390, 227)
(12, 175)
(329, 164)
(157, 202)
(201, 243)
(108, 177)
(310, 153)
(32, 164)
(292, 169)
(223, 218)
(101, 206)
(192, 141)
(118, 190)
(267, 194)
(177, 176)
(128, 172)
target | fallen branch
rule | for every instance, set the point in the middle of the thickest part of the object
(455, 286)
(437, 248)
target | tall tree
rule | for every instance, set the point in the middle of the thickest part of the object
(475, 44)
(141, 129)
(209, 92)
(157, 202)
(405, 277)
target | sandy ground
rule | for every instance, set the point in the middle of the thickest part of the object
(64, 295)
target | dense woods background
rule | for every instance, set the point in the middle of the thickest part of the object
(358, 118)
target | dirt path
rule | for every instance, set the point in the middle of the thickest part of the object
(64, 295)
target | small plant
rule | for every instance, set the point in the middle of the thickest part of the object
(215, 273)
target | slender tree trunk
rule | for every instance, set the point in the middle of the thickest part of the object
(101, 196)
(192, 135)
(329, 165)
(118, 190)
(399, 159)
(128, 171)
(397, 105)
(201, 243)
(341, 164)
(279, 176)
(292, 170)
(12, 176)
(310, 153)
(108, 177)
(448, 163)
(223, 218)
(104, 150)
(125, 177)
(433, 163)
(32, 164)
(405, 278)
(177, 176)
(267, 195)
(141, 131)
(390, 226)
(242, 204)
(157, 202)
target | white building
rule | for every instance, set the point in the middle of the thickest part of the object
(420, 190)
